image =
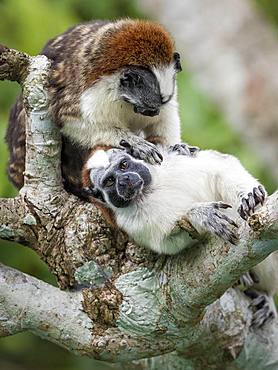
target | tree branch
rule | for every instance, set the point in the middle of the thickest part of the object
(218, 265)
(136, 304)
(13, 64)
(30, 304)
(43, 141)
(15, 221)
(58, 317)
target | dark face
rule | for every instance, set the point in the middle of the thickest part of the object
(123, 182)
(140, 87)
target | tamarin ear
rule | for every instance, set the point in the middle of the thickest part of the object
(93, 192)
(177, 60)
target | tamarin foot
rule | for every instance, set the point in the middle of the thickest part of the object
(260, 304)
(184, 149)
(142, 149)
(248, 279)
(210, 218)
(248, 203)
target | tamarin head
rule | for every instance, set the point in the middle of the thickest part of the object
(115, 178)
(134, 61)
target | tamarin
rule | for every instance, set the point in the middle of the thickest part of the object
(109, 81)
(148, 200)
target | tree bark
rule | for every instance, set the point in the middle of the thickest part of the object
(233, 53)
(123, 303)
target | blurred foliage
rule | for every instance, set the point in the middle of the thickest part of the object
(110, 9)
(27, 25)
(269, 8)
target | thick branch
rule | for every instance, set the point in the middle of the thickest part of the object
(29, 304)
(57, 316)
(13, 64)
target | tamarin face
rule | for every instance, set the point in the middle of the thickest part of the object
(105, 71)
(139, 87)
(115, 178)
(148, 89)
(132, 61)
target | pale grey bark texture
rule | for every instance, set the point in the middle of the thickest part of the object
(233, 53)
(125, 303)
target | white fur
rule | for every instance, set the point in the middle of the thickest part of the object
(166, 78)
(178, 185)
(268, 268)
(98, 159)
(169, 125)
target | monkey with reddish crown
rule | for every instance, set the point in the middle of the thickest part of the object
(111, 84)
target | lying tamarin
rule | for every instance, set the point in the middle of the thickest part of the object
(148, 200)
(109, 81)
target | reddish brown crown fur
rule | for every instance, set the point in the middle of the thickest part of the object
(124, 45)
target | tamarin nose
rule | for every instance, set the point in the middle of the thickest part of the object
(146, 111)
(130, 180)
(124, 180)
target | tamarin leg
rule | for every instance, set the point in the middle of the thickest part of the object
(15, 138)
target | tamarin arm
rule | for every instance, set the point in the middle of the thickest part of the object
(135, 145)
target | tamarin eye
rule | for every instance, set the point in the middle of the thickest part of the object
(109, 181)
(177, 59)
(123, 165)
(130, 79)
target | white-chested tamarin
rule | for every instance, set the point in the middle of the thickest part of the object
(111, 83)
(209, 190)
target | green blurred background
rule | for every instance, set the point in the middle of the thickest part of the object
(27, 25)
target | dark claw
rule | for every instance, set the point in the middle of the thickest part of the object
(226, 218)
(218, 205)
(258, 196)
(247, 280)
(158, 158)
(258, 302)
(245, 206)
(262, 194)
(194, 150)
(228, 235)
(254, 277)
(249, 203)
(143, 150)
(222, 224)
(232, 238)
(125, 144)
(159, 155)
(261, 316)
(260, 306)
(260, 187)
(184, 149)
